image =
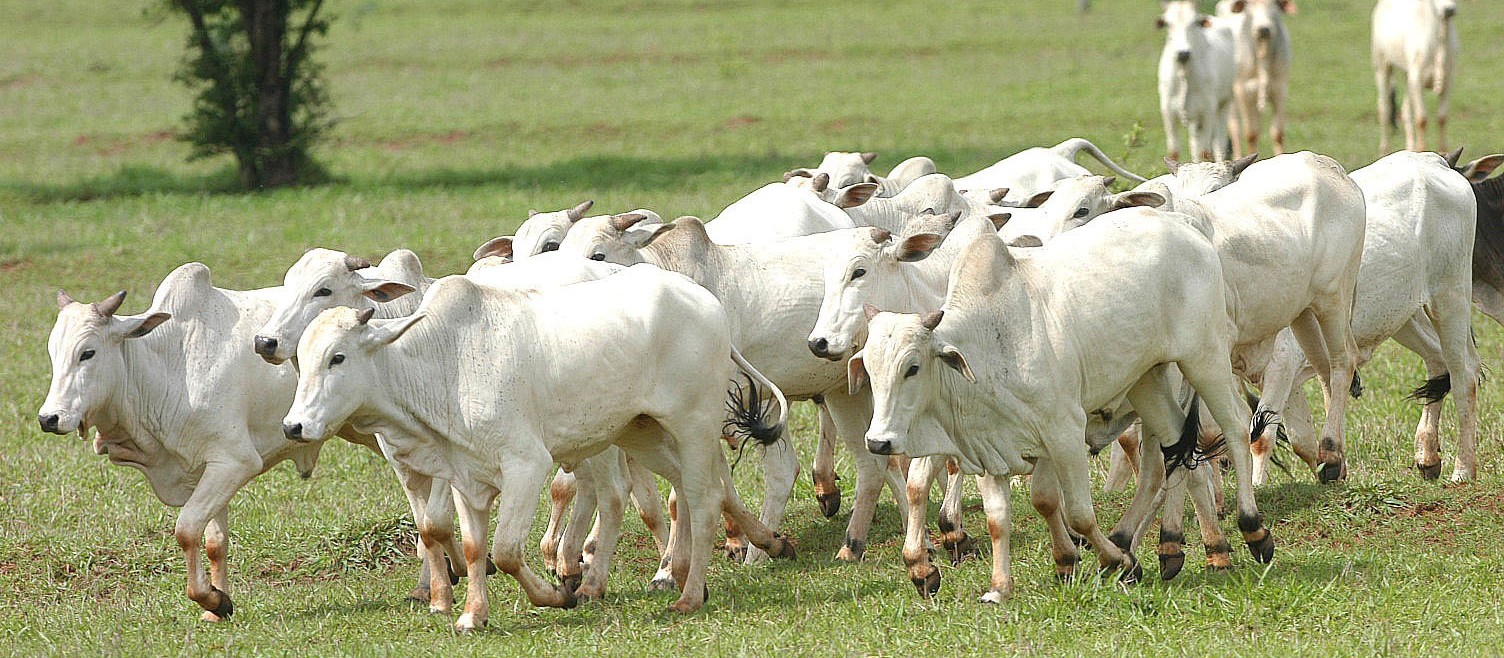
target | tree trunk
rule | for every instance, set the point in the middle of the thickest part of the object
(275, 161)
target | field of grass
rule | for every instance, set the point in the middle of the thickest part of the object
(456, 116)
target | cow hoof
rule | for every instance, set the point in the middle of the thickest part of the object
(1170, 565)
(849, 554)
(785, 548)
(586, 595)
(929, 584)
(571, 582)
(662, 583)
(960, 550)
(210, 617)
(1431, 472)
(467, 623)
(830, 504)
(1263, 549)
(420, 594)
(1132, 572)
(1329, 473)
(225, 607)
(490, 566)
(994, 597)
(454, 577)
(568, 598)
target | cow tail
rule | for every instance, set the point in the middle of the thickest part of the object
(748, 413)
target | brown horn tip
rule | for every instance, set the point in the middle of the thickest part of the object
(931, 320)
(626, 221)
(109, 305)
(531, 212)
(997, 194)
(821, 182)
(868, 157)
(353, 263)
(577, 212)
(365, 315)
(881, 235)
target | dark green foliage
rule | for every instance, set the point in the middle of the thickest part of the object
(260, 96)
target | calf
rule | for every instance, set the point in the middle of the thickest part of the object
(1418, 37)
(472, 396)
(1196, 69)
(115, 374)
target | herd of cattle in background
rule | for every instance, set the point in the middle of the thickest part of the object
(991, 324)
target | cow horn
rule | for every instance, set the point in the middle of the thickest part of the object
(63, 300)
(997, 194)
(626, 221)
(870, 311)
(931, 320)
(868, 157)
(531, 212)
(1242, 163)
(1172, 164)
(821, 182)
(110, 304)
(365, 315)
(881, 235)
(353, 263)
(1107, 181)
(577, 212)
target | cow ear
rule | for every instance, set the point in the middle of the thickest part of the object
(918, 247)
(381, 290)
(1131, 199)
(1206, 21)
(952, 357)
(1026, 241)
(642, 236)
(819, 183)
(856, 373)
(383, 332)
(1000, 219)
(1288, 6)
(136, 326)
(1478, 170)
(1160, 23)
(855, 195)
(1238, 6)
(870, 311)
(868, 157)
(500, 247)
(1038, 199)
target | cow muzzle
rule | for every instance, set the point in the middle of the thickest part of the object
(49, 423)
(1183, 56)
(1263, 33)
(294, 432)
(266, 348)
(879, 446)
(821, 347)
(1449, 12)
(57, 422)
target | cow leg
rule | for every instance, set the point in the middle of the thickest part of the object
(1220, 393)
(1171, 550)
(827, 492)
(702, 480)
(1277, 96)
(1280, 382)
(1308, 331)
(852, 414)
(1073, 475)
(953, 536)
(1443, 109)
(1384, 79)
(649, 505)
(1240, 122)
(612, 487)
(916, 541)
(523, 474)
(1452, 317)
(209, 501)
(758, 535)
(780, 464)
(560, 493)
(1199, 140)
(663, 579)
(216, 548)
(1420, 337)
(1161, 418)
(1123, 460)
(1202, 484)
(1044, 493)
(417, 502)
(1172, 139)
(997, 498)
(569, 559)
(1414, 111)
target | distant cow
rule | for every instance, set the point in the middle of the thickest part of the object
(1418, 37)
(1263, 53)
(1037, 169)
(1196, 71)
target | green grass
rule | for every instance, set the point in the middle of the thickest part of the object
(456, 117)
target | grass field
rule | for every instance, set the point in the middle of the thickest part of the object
(455, 117)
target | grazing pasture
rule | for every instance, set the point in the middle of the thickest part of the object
(456, 117)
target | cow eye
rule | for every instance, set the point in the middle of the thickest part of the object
(1081, 212)
(550, 246)
(336, 360)
(598, 256)
(323, 292)
(87, 354)
(913, 370)
(858, 273)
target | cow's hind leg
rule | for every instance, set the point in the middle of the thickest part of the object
(1452, 317)
(780, 462)
(953, 537)
(827, 492)
(997, 498)
(560, 493)
(1044, 494)
(1214, 381)
(1072, 473)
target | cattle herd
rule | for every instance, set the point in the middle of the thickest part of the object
(991, 324)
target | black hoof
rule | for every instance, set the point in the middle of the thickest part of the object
(1263, 549)
(454, 578)
(960, 550)
(225, 607)
(490, 566)
(1132, 571)
(1329, 473)
(830, 504)
(785, 548)
(1170, 565)
(570, 600)
(929, 584)
(571, 583)
(706, 593)
(1430, 472)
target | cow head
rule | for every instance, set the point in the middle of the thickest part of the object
(1200, 178)
(905, 361)
(1265, 17)
(615, 238)
(1447, 9)
(544, 231)
(1182, 24)
(843, 168)
(87, 361)
(1072, 203)
(323, 279)
(820, 185)
(337, 365)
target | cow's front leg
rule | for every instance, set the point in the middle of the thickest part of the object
(216, 547)
(208, 502)
(916, 544)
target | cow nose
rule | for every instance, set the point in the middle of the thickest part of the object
(48, 422)
(1449, 12)
(293, 431)
(1264, 32)
(820, 347)
(1183, 56)
(879, 447)
(266, 346)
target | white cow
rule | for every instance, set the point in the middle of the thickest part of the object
(1037, 169)
(1020, 344)
(174, 393)
(1418, 37)
(540, 233)
(1263, 53)
(1416, 286)
(771, 291)
(848, 168)
(1196, 71)
(490, 387)
(785, 210)
(934, 192)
